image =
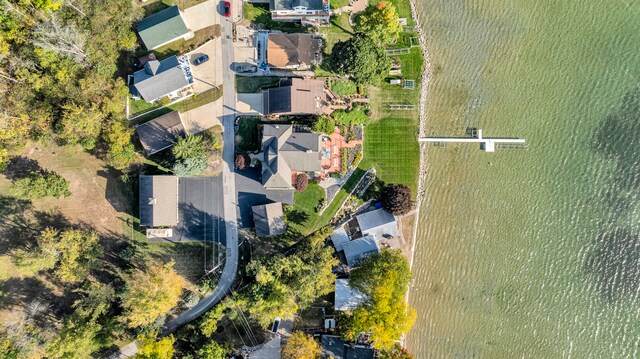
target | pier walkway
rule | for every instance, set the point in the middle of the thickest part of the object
(487, 144)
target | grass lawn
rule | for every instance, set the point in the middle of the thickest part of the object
(153, 6)
(247, 136)
(253, 84)
(342, 87)
(140, 106)
(189, 257)
(182, 106)
(339, 30)
(336, 4)
(391, 147)
(308, 200)
(259, 14)
(183, 46)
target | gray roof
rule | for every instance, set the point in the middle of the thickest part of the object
(158, 201)
(347, 298)
(161, 132)
(269, 219)
(162, 27)
(290, 4)
(159, 78)
(357, 250)
(285, 151)
(333, 346)
(339, 237)
(299, 96)
(378, 223)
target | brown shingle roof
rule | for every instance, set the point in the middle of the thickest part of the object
(292, 50)
(300, 97)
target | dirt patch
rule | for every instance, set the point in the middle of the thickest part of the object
(96, 199)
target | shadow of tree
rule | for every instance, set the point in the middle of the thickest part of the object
(20, 167)
(296, 216)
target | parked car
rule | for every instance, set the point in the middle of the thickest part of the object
(246, 68)
(227, 9)
(201, 59)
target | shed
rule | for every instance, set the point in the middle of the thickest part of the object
(162, 28)
(378, 223)
(269, 219)
(357, 250)
(158, 201)
(160, 133)
(346, 297)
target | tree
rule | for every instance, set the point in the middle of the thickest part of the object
(396, 198)
(209, 323)
(39, 185)
(212, 350)
(381, 22)
(120, 151)
(324, 124)
(96, 300)
(302, 181)
(77, 339)
(150, 348)
(150, 294)
(301, 346)
(65, 40)
(189, 147)
(395, 352)
(385, 278)
(242, 161)
(361, 58)
(80, 125)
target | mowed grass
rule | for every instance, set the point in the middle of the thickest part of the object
(247, 137)
(340, 30)
(259, 14)
(391, 147)
(253, 84)
(190, 257)
(192, 102)
(308, 200)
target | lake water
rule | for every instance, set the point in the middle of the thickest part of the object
(531, 253)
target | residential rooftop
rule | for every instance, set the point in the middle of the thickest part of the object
(161, 78)
(162, 27)
(158, 201)
(160, 133)
(269, 219)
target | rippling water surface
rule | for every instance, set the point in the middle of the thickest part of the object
(536, 253)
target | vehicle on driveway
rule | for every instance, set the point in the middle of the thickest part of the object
(246, 68)
(201, 59)
(227, 9)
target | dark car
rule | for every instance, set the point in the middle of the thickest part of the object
(227, 9)
(201, 59)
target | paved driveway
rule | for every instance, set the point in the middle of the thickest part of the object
(201, 118)
(202, 15)
(252, 193)
(250, 104)
(208, 74)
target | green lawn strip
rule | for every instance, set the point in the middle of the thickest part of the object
(253, 84)
(336, 4)
(192, 102)
(247, 136)
(153, 6)
(183, 46)
(342, 87)
(339, 30)
(308, 200)
(140, 106)
(260, 14)
(391, 147)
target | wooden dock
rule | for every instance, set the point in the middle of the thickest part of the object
(488, 144)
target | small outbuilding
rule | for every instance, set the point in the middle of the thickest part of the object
(346, 297)
(269, 219)
(378, 224)
(162, 28)
(357, 250)
(158, 201)
(160, 133)
(336, 348)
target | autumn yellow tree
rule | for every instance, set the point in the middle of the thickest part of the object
(150, 294)
(301, 346)
(150, 348)
(380, 21)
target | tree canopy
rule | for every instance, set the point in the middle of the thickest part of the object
(324, 124)
(190, 153)
(301, 346)
(396, 198)
(77, 339)
(380, 21)
(150, 348)
(212, 350)
(385, 278)
(150, 294)
(361, 58)
(40, 184)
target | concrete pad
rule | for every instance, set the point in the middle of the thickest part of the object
(245, 54)
(201, 118)
(250, 104)
(208, 74)
(202, 15)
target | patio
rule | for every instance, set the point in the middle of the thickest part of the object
(332, 151)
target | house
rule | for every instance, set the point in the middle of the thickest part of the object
(295, 97)
(307, 12)
(357, 250)
(285, 152)
(160, 133)
(339, 237)
(346, 297)
(378, 224)
(293, 51)
(158, 201)
(334, 347)
(269, 219)
(162, 28)
(170, 77)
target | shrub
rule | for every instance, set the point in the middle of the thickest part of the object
(302, 181)
(242, 161)
(344, 156)
(190, 166)
(40, 185)
(357, 157)
(396, 198)
(324, 124)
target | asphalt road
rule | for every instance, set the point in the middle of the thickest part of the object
(230, 269)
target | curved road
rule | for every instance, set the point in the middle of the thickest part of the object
(228, 179)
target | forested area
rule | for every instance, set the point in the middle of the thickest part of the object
(59, 75)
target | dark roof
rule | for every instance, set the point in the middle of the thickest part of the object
(290, 4)
(160, 78)
(299, 97)
(158, 201)
(333, 346)
(162, 27)
(160, 133)
(269, 219)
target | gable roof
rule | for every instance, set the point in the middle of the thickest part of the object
(333, 346)
(290, 4)
(160, 78)
(357, 250)
(285, 151)
(161, 132)
(162, 27)
(347, 297)
(269, 219)
(378, 223)
(339, 237)
(299, 96)
(158, 201)
(285, 50)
